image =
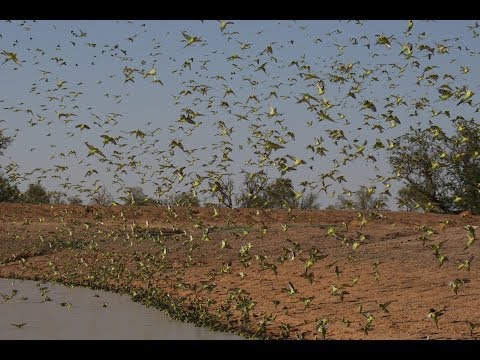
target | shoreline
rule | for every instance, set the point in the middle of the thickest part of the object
(245, 271)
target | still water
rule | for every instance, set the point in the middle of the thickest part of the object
(82, 313)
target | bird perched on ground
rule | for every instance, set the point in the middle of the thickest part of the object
(435, 315)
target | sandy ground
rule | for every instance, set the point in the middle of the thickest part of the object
(266, 274)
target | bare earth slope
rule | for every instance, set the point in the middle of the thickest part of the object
(266, 274)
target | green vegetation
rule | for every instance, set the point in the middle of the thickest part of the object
(8, 192)
(442, 173)
(101, 197)
(35, 194)
(362, 199)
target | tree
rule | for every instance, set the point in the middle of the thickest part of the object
(363, 199)
(136, 196)
(441, 173)
(35, 194)
(253, 194)
(366, 200)
(226, 193)
(74, 200)
(406, 198)
(280, 194)
(342, 204)
(309, 201)
(56, 197)
(464, 166)
(101, 197)
(4, 141)
(8, 192)
(184, 199)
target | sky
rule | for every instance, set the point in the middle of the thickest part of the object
(101, 73)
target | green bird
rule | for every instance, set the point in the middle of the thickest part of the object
(224, 24)
(409, 26)
(93, 150)
(306, 301)
(465, 263)
(269, 145)
(384, 306)
(337, 271)
(435, 315)
(455, 284)
(467, 96)
(367, 328)
(322, 327)
(369, 105)
(82, 127)
(472, 326)
(290, 289)
(441, 259)
(11, 57)
(336, 291)
(19, 326)
(470, 235)
(190, 39)
(384, 40)
(369, 318)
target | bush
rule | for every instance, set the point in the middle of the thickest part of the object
(4, 141)
(253, 195)
(74, 200)
(363, 199)
(56, 197)
(136, 196)
(35, 194)
(8, 192)
(442, 174)
(182, 199)
(101, 197)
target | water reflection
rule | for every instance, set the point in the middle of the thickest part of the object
(52, 311)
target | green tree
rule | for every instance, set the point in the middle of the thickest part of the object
(226, 194)
(253, 194)
(366, 200)
(135, 195)
(309, 201)
(464, 166)
(74, 200)
(35, 194)
(280, 194)
(101, 196)
(4, 141)
(362, 199)
(182, 199)
(56, 197)
(441, 173)
(408, 197)
(8, 192)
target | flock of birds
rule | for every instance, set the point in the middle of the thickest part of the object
(245, 119)
(312, 107)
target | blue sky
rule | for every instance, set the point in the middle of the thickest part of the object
(78, 67)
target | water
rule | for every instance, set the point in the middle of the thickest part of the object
(86, 314)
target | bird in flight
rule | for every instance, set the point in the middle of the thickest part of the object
(190, 40)
(10, 56)
(93, 150)
(19, 326)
